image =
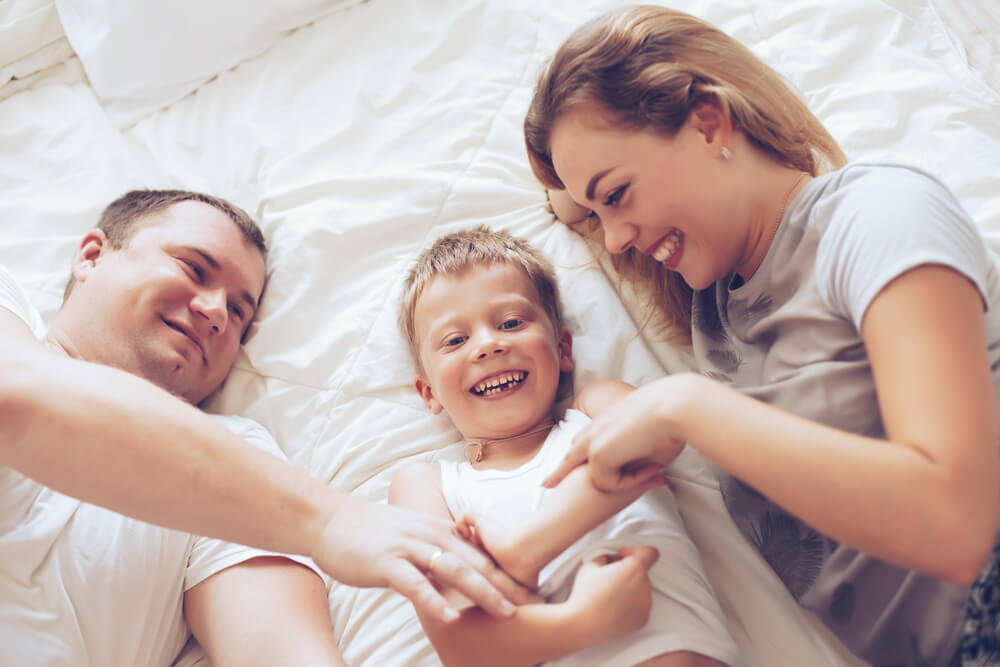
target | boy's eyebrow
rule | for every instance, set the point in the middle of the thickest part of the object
(214, 265)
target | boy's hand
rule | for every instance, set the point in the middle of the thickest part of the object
(499, 542)
(613, 594)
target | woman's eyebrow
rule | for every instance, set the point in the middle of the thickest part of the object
(593, 183)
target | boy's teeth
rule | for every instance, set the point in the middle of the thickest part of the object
(497, 384)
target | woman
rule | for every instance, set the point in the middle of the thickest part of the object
(845, 318)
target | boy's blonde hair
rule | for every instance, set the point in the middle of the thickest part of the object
(478, 247)
(647, 68)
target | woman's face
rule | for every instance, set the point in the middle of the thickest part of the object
(664, 196)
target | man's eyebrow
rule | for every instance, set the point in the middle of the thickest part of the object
(593, 183)
(214, 265)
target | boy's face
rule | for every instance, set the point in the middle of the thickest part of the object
(491, 356)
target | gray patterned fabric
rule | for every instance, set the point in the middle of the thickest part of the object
(790, 336)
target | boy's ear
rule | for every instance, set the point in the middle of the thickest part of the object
(565, 351)
(92, 246)
(427, 393)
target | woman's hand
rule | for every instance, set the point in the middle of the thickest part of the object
(629, 444)
(612, 594)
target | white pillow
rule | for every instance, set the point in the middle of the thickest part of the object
(143, 55)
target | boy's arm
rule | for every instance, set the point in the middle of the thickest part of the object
(573, 509)
(268, 610)
(611, 598)
(607, 601)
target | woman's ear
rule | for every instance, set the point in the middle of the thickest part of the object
(427, 393)
(92, 246)
(710, 118)
(565, 351)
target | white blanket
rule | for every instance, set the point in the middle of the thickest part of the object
(357, 139)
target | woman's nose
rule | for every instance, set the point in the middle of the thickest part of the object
(618, 236)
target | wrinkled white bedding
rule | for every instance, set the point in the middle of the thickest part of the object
(357, 139)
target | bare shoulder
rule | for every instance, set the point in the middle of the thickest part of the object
(599, 395)
(420, 473)
(418, 486)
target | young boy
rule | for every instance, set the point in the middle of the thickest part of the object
(481, 313)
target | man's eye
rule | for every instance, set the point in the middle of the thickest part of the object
(195, 268)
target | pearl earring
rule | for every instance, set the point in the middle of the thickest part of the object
(727, 154)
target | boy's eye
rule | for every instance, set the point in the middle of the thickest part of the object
(455, 340)
(512, 323)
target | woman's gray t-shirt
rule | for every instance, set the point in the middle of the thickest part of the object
(790, 336)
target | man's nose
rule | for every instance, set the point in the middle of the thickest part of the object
(211, 305)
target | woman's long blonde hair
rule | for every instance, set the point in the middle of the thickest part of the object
(647, 67)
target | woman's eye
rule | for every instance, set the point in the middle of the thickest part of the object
(615, 196)
(511, 324)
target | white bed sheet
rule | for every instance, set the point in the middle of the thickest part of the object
(357, 139)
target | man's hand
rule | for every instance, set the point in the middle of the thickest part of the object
(367, 544)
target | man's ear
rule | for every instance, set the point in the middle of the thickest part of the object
(565, 351)
(92, 246)
(427, 393)
(710, 118)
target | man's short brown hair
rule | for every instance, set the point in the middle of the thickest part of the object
(124, 217)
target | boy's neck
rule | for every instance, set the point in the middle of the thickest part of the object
(507, 453)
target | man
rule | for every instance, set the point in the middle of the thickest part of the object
(102, 408)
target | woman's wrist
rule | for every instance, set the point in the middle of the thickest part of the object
(685, 396)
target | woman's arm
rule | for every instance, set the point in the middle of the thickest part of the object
(609, 599)
(925, 498)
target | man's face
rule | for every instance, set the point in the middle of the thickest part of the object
(173, 304)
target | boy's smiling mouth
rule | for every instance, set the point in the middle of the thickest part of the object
(498, 383)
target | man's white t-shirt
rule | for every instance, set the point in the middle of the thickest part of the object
(83, 586)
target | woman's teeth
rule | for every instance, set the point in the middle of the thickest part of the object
(669, 246)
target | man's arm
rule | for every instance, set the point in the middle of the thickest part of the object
(610, 598)
(113, 439)
(267, 611)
